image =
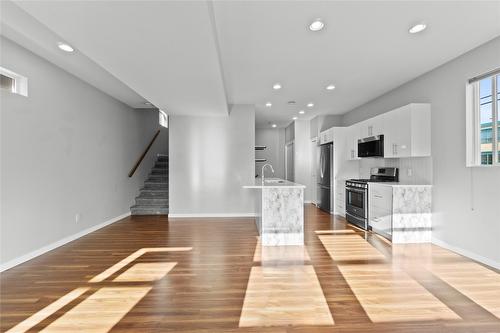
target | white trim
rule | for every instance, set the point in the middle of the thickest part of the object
(20, 86)
(19, 260)
(201, 215)
(466, 253)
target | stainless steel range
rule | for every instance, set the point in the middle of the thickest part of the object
(356, 194)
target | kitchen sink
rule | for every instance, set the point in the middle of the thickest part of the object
(274, 181)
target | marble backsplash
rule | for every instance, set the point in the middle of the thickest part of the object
(412, 170)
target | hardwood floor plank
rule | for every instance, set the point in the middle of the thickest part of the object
(364, 283)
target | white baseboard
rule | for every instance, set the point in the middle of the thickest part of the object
(52, 246)
(202, 215)
(466, 253)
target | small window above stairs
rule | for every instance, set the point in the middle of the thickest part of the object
(153, 198)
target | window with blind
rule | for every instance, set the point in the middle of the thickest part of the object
(483, 120)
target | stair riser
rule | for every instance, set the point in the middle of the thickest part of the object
(155, 178)
(152, 193)
(159, 172)
(152, 187)
(148, 212)
(151, 201)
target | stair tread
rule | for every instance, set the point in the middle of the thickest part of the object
(153, 196)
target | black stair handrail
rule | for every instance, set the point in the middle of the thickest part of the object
(139, 160)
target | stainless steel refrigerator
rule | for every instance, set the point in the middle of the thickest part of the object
(325, 178)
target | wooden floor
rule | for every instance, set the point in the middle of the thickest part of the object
(149, 274)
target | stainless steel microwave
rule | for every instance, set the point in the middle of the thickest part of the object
(372, 146)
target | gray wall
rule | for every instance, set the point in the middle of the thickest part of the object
(465, 200)
(323, 122)
(274, 140)
(211, 158)
(66, 149)
(290, 132)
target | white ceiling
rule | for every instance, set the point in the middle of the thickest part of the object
(195, 57)
(164, 50)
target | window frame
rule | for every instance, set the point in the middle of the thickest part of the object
(473, 120)
(163, 118)
(20, 83)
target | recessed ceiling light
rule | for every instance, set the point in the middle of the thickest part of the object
(302, 112)
(330, 87)
(417, 28)
(65, 47)
(316, 25)
(310, 105)
(269, 104)
(276, 86)
(295, 118)
(274, 125)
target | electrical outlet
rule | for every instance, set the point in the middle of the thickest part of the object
(409, 172)
(77, 218)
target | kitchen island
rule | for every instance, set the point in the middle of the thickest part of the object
(279, 208)
(401, 212)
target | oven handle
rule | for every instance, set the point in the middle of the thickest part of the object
(355, 190)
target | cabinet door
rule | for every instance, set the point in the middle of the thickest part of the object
(352, 136)
(397, 139)
(376, 125)
(380, 209)
(322, 137)
(329, 135)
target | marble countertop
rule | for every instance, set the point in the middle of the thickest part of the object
(285, 184)
(400, 184)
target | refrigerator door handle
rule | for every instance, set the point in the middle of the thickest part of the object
(321, 165)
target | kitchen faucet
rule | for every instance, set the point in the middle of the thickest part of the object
(263, 167)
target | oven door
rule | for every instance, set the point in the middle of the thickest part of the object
(356, 203)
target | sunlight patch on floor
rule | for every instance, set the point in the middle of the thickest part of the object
(47, 311)
(473, 280)
(388, 294)
(349, 247)
(144, 272)
(334, 232)
(100, 311)
(124, 262)
(285, 295)
(280, 255)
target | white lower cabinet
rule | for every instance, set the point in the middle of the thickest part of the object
(380, 209)
(340, 197)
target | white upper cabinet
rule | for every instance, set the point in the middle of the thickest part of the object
(352, 137)
(371, 127)
(326, 136)
(407, 131)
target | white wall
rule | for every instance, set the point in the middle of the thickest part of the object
(465, 200)
(66, 149)
(274, 140)
(211, 158)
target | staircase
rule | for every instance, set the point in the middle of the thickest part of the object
(153, 199)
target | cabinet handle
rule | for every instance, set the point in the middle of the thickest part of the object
(378, 196)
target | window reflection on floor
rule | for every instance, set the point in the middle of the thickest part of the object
(100, 311)
(473, 280)
(103, 309)
(349, 247)
(386, 293)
